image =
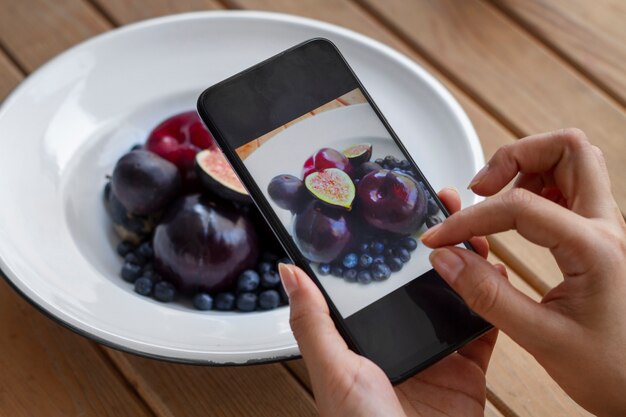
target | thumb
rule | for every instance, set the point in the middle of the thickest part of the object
(318, 339)
(484, 289)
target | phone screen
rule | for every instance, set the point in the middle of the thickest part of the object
(345, 198)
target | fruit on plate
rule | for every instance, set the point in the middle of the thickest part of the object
(331, 186)
(217, 176)
(288, 192)
(178, 139)
(358, 154)
(202, 245)
(325, 158)
(144, 182)
(321, 235)
(365, 168)
(392, 201)
(129, 227)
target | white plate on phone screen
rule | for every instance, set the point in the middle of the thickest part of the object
(63, 128)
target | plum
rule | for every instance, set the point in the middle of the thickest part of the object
(202, 245)
(325, 158)
(129, 227)
(392, 201)
(288, 192)
(365, 168)
(321, 235)
(144, 182)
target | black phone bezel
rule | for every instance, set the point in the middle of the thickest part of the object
(285, 238)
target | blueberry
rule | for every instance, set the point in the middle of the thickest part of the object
(249, 280)
(394, 263)
(124, 248)
(391, 161)
(264, 267)
(270, 279)
(432, 221)
(136, 147)
(408, 243)
(337, 271)
(377, 247)
(324, 269)
(350, 260)
(365, 260)
(433, 208)
(380, 272)
(364, 247)
(402, 253)
(364, 276)
(388, 251)
(380, 161)
(130, 272)
(164, 291)
(148, 267)
(350, 275)
(203, 301)
(269, 299)
(356, 181)
(378, 259)
(246, 301)
(285, 260)
(134, 258)
(225, 301)
(150, 274)
(405, 165)
(143, 286)
(145, 250)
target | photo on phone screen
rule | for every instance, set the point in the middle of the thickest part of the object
(354, 206)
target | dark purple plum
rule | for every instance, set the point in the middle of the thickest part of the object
(288, 192)
(321, 236)
(392, 202)
(202, 245)
(367, 167)
(144, 182)
(129, 227)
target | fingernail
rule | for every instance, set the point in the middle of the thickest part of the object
(447, 263)
(288, 278)
(478, 177)
(430, 232)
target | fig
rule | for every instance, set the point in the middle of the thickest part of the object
(358, 154)
(332, 186)
(325, 158)
(218, 176)
(288, 192)
(203, 245)
(144, 182)
(392, 202)
(129, 227)
(321, 236)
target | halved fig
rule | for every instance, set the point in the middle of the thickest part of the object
(332, 186)
(357, 154)
(217, 175)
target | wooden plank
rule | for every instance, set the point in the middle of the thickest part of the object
(177, 390)
(509, 72)
(126, 11)
(33, 31)
(49, 371)
(590, 35)
(10, 76)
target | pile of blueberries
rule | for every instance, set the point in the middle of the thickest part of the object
(375, 260)
(258, 289)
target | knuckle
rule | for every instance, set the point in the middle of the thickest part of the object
(484, 295)
(518, 198)
(574, 138)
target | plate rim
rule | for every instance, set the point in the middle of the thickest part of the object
(285, 352)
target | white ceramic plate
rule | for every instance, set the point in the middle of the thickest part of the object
(64, 127)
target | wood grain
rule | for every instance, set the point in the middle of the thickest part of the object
(49, 371)
(10, 76)
(187, 390)
(127, 11)
(589, 34)
(33, 31)
(509, 72)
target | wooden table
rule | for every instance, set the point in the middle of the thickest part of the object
(516, 66)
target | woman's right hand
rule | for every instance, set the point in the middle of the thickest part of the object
(561, 200)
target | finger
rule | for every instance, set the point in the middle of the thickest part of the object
(481, 286)
(583, 180)
(316, 334)
(502, 269)
(537, 219)
(479, 351)
(452, 201)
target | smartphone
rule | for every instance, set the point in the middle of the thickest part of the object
(345, 199)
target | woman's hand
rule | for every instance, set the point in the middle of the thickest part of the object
(346, 384)
(561, 200)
